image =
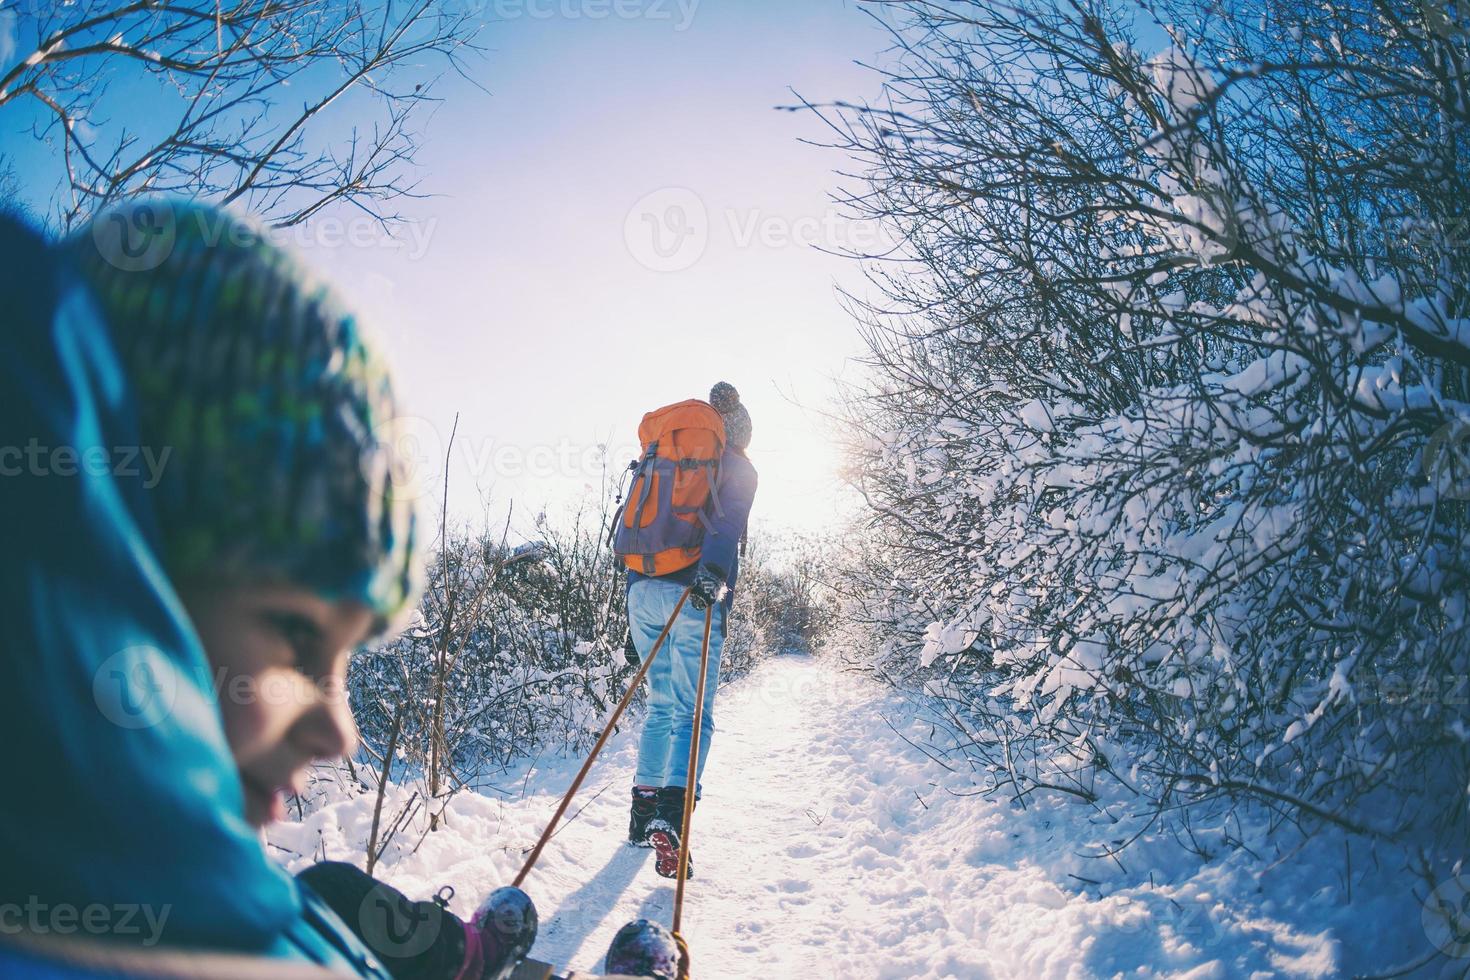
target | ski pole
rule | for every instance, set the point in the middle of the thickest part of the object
(601, 739)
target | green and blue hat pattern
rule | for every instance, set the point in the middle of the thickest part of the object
(278, 417)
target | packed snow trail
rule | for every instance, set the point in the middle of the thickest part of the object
(805, 867)
(827, 845)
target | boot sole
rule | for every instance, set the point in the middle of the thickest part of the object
(667, 860)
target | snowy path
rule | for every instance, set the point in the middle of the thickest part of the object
(804, 867)
(827, 846)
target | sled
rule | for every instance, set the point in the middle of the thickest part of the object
(86, 958)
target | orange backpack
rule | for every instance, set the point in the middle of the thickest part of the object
(661, 525)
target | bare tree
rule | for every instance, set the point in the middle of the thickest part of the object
(1163, 440)
(11, 200)
(285, 106)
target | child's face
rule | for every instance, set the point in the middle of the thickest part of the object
(279, 658)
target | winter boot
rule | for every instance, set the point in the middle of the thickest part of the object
(663, 832)
(424, 939)
(646, 949)
(645, 808)
(505, 925)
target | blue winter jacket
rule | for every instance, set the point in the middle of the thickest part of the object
(721, 547)
(120, 789)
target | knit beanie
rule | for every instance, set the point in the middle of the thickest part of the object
(278, 418)
(726, 401)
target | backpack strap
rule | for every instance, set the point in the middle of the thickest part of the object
(645, 470)
(713, 478)
(714, 486)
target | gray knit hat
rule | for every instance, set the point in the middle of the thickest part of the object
(726, 401)
(279, 418)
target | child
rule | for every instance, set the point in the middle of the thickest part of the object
(202, 518)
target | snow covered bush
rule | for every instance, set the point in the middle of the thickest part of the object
(781, 604)
(513, 651)
(1164, 434)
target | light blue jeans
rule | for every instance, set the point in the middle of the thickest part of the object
(673, 681)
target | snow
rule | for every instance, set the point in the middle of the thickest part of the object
(827, 845)
(941, 639)
(1183, 82)
(1036, 415)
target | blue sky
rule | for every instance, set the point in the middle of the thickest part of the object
(621, 219)
(534, 312)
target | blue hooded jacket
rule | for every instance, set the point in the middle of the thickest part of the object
(121, 787)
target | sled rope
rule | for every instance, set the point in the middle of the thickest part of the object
(602, 739)
(690, 790)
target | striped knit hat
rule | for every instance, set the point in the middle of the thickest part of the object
(726, 401)
(279, 419)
